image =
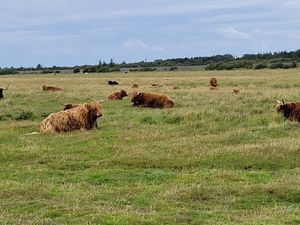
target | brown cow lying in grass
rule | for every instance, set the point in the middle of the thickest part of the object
(70, 106)
(117, 95)
(134, 86)
(51, 88)
(151, 100)
(290, 110)
(81, 117)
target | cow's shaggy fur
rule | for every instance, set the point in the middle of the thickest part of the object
(213, 83)
(151, 100)
(81, 117)
(51, 88)
(117, 95)
(290, 110)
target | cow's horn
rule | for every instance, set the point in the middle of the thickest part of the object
(6, 87)
(283, 102)
(278, 101)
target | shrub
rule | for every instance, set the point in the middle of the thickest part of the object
(260, 66)
(276, 65)
(76, 70)
(24, 115)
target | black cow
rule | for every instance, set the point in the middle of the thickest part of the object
(112, 82)
(1, 91)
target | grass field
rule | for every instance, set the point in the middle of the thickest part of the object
(216, 158)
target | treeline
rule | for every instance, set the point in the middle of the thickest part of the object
(284, 60)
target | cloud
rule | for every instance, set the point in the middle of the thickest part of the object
(135, 44)
(234, 34)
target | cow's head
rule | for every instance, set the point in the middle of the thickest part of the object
(123, 93)
(136, 96)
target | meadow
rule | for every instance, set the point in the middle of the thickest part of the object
(215, 158)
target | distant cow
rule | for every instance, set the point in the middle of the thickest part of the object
(81, 117)
(1, 91)
(134, 86)
(235, 91)
(151, 100)
(112, 82)
(290, 110)
(155, 85)
(117, 95)
(213, 83)
(51, 88)
(70, 106)
(176, 87)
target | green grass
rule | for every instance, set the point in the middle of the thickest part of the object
(216, 158)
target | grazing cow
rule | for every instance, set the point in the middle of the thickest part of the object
(213, 83)
(290, 110)
(112, 82)
(151, 100)
(235, 91)
(176, 87)
(81, 117)
(70, 106)
(51, 88)
(117, 95)
(1, 91)
(134, 86)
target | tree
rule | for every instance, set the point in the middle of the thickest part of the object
(111, 64)
(39, 67)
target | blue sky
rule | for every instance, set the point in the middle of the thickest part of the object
(76, 32)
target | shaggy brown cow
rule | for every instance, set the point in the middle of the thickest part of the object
(213, 83)
(117, 95)
(1, 91)
(51, 88)
(134, 86)
(81, 117)
(235, 91)
(151, 100)
(70, 106)
(290, 110)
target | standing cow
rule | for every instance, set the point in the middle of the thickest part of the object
(1, 91)
(290, 110)
(213, 83)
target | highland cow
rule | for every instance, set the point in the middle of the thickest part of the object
(235, 91)
(112, 82)
(70, 106)
(290, 110)
(51, 88)
(117, 95)
(81, 117)
(134, 86)
(1, 91)
(213, 83)
(151, 100)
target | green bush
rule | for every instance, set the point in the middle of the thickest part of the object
(260, 66)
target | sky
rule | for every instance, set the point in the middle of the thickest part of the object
(77, 32)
